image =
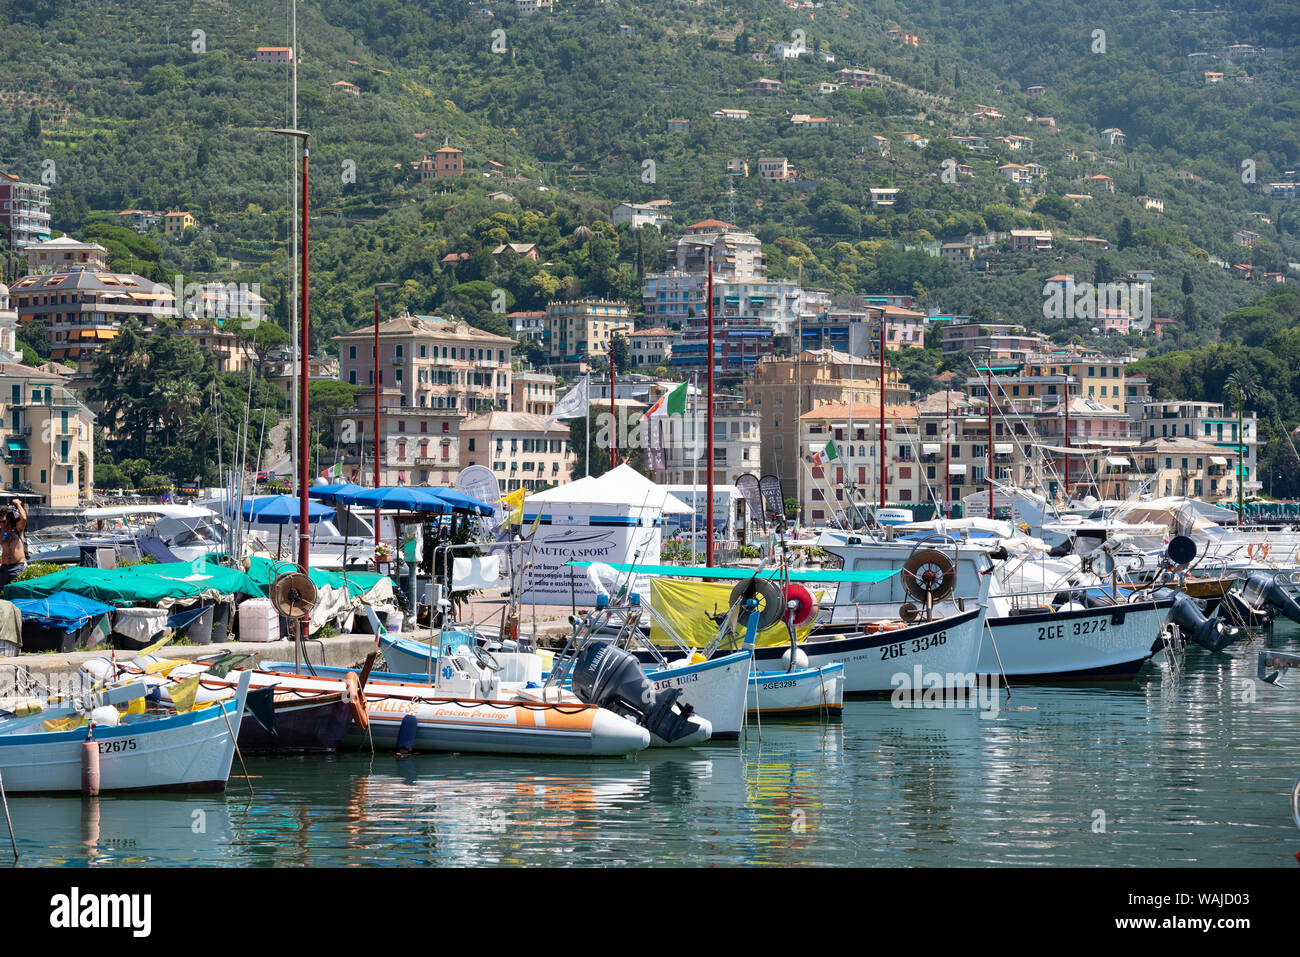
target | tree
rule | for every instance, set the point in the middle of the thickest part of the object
(620, 351)
(1187, 284)
(34, 126)
(1124, 236)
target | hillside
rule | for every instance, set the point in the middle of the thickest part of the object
(134, 110)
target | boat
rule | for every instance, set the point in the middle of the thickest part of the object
(130, 532)
(803, 692)
(468, 720)
(301, 720)
(189, 751)
(873, 646)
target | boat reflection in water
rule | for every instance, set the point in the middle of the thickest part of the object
(117, 831)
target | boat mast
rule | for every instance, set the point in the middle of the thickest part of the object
(988, 368)
(1067, 440)
(303, 457)
(882, 413)
(708, 465)
(295, 346)
(947, 451)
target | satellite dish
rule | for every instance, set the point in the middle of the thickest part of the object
(293, 594)
(1181, 550)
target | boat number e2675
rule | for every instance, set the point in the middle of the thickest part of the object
(113, 747)
(1085, 627)
(924, 643)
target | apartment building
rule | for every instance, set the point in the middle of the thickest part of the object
(518, 449)
(1209, 423)
(24, 211)
(832, 491)
(580, 330)
(533, 392)
(737, 445)
(784, 387)
(431, 362)
(49, 441)
(60, 255)
(651, 348)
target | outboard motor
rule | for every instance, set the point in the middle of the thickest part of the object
(612, 678)
(1188, 615)
(1280, 598)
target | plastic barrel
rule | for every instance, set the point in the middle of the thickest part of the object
(222, 612)
(199, 630)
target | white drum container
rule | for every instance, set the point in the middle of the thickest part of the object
(258, 620)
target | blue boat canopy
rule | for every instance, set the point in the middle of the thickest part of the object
(869, 577)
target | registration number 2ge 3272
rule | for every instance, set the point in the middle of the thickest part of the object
(1090, 626)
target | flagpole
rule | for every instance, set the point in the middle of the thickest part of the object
(587, 455)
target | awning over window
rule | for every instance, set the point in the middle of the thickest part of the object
(18, 445)
(1117, 460)
(1218, 460)
(1003, 448)
(957, 468)
(930, 448)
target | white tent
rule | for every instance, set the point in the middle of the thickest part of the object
(615, 518)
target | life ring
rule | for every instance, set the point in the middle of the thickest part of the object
(353, 694)
(1258, 550)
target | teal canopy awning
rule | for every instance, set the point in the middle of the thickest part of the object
(736, 574)
(18, 445)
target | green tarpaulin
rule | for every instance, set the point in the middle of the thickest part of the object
(358, 583)
(140, 584)
(735, 574)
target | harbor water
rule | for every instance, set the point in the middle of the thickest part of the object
(1193, 771)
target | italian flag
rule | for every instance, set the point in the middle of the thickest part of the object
(670, 403)
(827, 454)
(334, 471)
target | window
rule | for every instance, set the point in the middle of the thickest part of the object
(352, 376)
(352, 352)
(471, 445)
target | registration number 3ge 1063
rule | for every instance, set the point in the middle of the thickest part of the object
(116, 746)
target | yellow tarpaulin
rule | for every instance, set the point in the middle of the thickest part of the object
(688, 605)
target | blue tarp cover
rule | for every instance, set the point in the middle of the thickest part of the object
(62, 609)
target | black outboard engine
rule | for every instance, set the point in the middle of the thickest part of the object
(1279, 597)
(1259, 598)
(1189, 616)
(611, 678)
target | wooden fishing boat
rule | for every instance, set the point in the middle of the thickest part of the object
(191, 751)
(303, 721)
(806, 692)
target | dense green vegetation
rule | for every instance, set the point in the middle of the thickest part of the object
(125, 105)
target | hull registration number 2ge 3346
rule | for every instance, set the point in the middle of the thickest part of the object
(924, 643)
(1089, 626)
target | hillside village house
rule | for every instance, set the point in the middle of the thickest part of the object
(1031, 240)
(1113, 137)
(445, 162)
(776, 169)
(175, 224)
(763, 87)
(274, 55)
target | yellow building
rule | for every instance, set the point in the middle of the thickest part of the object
(175, 224)
(49, 443)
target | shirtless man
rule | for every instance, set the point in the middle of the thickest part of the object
(13, 553)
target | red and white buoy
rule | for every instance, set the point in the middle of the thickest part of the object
(90, 764)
